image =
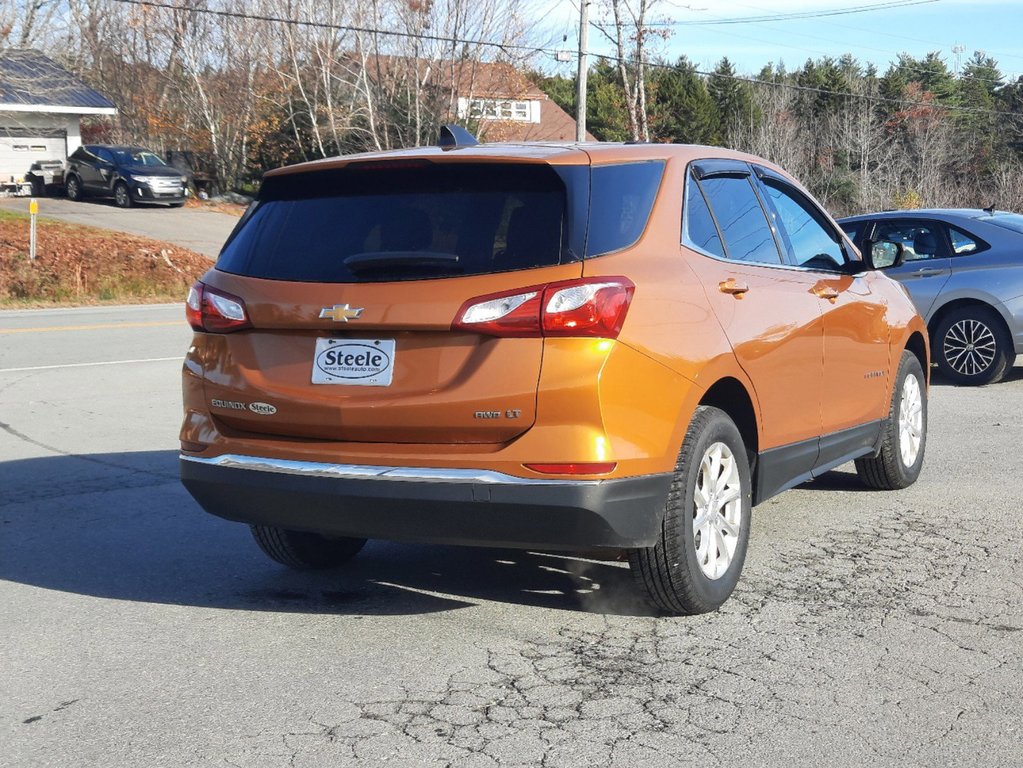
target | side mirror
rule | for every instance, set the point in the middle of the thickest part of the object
(882, 254)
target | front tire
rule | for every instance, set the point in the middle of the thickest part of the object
(122, 195)
(304, 551)
(73, 187)
(905, 434)
(695, 565)
(973, 346)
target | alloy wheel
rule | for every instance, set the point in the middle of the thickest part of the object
(717, 510)
(969, 347)
(121, 195)
(911, 421)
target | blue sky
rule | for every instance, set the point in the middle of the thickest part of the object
(877, 35)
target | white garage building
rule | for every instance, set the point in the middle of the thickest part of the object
(41, 106)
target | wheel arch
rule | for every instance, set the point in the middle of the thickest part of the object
(960, 303)
(917, 344)
(731, 396)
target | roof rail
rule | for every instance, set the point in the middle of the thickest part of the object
(455, 136)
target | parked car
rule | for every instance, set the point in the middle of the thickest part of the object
(128, 174)
(578, 347)
(964, 272)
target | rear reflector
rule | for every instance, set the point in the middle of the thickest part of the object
(214, 311)
(586, 468)
(585, 307)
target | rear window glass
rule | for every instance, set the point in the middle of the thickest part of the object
(1012, 221)
(402, 223)
(620, 203)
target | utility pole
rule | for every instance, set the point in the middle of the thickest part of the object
(580, 80)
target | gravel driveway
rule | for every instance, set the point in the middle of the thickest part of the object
(199, 230)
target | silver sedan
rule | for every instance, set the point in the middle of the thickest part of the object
(963, 269)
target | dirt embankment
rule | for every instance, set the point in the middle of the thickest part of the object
(84, 265)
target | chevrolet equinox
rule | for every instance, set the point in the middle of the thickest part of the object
(574, 347)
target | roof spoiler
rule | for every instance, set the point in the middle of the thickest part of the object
(454, 137)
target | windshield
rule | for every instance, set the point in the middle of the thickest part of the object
(1011, 221)
(136, 156)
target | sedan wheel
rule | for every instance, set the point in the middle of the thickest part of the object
(973, 346)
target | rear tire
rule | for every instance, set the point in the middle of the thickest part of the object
(304, 551)
(905, 434)
(972, 346)
(696, 563)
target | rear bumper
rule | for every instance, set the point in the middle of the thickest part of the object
(467, 507)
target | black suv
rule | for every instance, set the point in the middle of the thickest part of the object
(128, 174)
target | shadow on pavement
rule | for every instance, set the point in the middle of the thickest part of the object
(120, 526)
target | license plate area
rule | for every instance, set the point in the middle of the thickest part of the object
(355, 362)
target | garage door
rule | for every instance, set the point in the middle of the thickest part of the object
(20, 147)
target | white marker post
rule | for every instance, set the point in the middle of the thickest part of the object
(33, 209)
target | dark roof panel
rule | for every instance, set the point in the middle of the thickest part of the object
(29, 78)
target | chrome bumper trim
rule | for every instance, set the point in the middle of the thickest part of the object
(367, 472)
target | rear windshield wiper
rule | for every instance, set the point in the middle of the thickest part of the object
(414, 259)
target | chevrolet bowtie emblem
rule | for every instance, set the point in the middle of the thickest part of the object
(340, 313)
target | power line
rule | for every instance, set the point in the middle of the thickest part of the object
(332, 26)
(797, 14)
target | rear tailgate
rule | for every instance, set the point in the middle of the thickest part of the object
(351, 279)
(445, 386)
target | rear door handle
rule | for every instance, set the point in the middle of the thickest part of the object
(735, 289)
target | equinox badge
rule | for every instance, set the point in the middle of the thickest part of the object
(340, 313)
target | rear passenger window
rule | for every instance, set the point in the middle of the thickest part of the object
(698, 228)
(802, 230)
(620, 201)
(744, 228)
(963, 243)
(919, 239)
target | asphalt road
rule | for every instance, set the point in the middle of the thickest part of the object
(869, 628)
(199, 230)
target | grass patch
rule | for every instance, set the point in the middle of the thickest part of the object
(84, 265)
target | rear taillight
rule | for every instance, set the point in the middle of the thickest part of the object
(594, 306)
(214, 311)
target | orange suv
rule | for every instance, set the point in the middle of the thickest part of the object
(574, 347)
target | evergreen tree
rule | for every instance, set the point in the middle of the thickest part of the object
(683, 110)
(733, 98)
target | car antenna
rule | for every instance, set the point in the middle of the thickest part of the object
(455, 136)
(990, 210)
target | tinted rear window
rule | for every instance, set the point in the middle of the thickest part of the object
(405, 221)
(402, 223)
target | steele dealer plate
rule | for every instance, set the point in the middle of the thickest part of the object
(360, 362)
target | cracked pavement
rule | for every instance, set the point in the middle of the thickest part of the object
(880, 628)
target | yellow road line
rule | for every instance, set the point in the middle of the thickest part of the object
(97, 327)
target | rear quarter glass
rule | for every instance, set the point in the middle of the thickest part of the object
(440, 220)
